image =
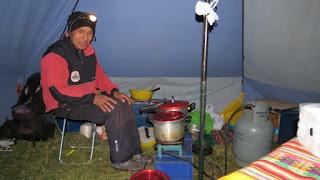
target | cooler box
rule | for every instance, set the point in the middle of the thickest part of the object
(177, 168)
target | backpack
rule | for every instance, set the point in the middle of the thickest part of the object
(29, 122)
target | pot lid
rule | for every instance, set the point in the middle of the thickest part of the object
(174, 105)
(168, 116)
(146, 174)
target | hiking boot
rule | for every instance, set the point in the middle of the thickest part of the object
(129, 165)
(141, 158)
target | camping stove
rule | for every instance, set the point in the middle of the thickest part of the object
(170, 143)
(172, 146)
(167, 147)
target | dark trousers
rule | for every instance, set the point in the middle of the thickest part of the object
(121, 128)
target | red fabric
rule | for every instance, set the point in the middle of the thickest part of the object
(54, 72)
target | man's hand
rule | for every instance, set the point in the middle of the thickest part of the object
(122, 97)
(105, 103)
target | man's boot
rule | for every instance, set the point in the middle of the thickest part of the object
(142, 158)
(129, 165)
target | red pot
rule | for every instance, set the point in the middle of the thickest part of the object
(168, 106)
(177, 105)
(149, 174)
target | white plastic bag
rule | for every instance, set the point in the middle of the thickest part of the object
(218, 120)
(86, 129)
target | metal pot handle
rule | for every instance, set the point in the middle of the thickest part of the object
(147, 109)
(191, 107)
(149, 121)
(187, 120)
(150, 108)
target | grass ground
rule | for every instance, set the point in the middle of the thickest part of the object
(41, 162)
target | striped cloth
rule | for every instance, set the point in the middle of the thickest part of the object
(223, 136)
(290, 161)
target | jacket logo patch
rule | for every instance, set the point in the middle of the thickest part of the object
(75, 76)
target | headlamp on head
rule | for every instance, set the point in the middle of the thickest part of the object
(92, 17)
(79, 19)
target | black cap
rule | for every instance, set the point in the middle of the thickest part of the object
(80, 19)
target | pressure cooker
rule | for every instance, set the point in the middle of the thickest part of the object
(169, 127)
(177, 105)
(168, 106)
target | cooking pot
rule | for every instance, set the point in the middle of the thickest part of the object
(149, 174)
(169, 105)
(177, 105)
(143, 94)
(169, 127)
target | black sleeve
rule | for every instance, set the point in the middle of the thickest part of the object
(111, 93)
(63, 99)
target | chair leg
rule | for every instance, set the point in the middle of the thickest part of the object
(57, 125)
(62, 139)
(93, 135)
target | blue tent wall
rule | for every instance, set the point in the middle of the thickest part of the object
(163, 38)
(282, 49)
(27, 28)
(149, 38)
(146, 38)
(257, 89)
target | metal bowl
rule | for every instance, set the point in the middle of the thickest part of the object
(149, 174)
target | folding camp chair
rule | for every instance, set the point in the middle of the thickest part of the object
(73, 147)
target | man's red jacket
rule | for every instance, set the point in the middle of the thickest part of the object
(54, 72)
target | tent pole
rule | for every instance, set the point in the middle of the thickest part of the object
(65, 27)
(203, 90)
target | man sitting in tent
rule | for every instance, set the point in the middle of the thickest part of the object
(75, 86)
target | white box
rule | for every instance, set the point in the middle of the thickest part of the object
(309, 127)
